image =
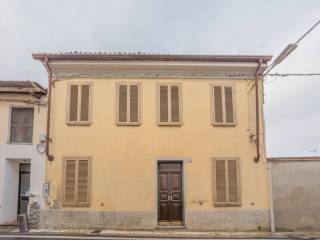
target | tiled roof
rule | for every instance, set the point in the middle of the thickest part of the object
(139, 56)
(22, 87)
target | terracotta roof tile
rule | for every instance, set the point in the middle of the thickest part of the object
(22, 86)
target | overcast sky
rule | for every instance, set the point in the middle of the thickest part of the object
(292, 105)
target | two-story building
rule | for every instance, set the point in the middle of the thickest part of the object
(23, 109)
(144, 141)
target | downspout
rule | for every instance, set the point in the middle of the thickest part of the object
(271, 209)
(257, 77)
(50, 157)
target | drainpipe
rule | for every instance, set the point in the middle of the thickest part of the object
(257, 78)
(50, 157)
(272, 225)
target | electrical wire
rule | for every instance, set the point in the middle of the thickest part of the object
(282, 75)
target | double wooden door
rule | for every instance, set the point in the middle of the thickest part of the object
(170, 192)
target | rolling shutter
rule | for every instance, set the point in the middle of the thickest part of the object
(134, 103)
(164, 116)
(73, 103)
(233, 181)
(84, 112)
(175, 111)
(70, 182)
(123, 103)
(229, 104)
(83, 182)
(218, 105)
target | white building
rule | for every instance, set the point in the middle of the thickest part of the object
(23, 109)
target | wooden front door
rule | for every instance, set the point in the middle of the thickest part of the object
(170, 192)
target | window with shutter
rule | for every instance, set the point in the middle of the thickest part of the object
(128, 104)
(79, 110)
(226, 183)
(76, 182)
(169, 104)
(70, 182)
(21, 125)
(223, 105)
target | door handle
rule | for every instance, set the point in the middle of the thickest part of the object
(169, 196)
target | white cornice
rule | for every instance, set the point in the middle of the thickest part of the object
(144, 69)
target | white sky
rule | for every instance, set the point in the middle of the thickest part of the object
(292, 105)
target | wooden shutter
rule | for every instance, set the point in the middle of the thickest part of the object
(73, 103)
(228, 94)
(134, 103)
(122, 111)
(83, 182)
(233, 181)
(218, 105)
(175, 106)
(70, 182)
(164, 116)
(220, 181)
(84, 111)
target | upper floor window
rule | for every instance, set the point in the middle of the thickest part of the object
(223, 105)
(21, 125)
(128, 104)
(169, 99)
(79, 106)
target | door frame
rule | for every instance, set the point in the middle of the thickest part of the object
(183, 185)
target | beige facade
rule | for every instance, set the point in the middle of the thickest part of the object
(118, 186)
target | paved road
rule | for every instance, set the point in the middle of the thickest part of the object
(38, 237)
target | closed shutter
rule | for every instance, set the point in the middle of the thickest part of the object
(221, 185)
(175, 111)
(134, 103)
(218, 105)
(229, 104)
(122, 103)
(83, 182)
(84, 111)
(70, 182)
(233, 181)
(164, 116)
(73, 103)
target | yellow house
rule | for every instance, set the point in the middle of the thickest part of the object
(145, 141)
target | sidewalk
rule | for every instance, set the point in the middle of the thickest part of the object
(163, 234)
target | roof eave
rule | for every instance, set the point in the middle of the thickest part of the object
(151, 57)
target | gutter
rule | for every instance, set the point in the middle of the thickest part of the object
(50, 157)
(257, 78)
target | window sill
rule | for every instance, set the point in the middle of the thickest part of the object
(224, 124)
(128, 123)
(227, 204)
(168, 124)
(76, 206)
(79, 123)
(17, 143)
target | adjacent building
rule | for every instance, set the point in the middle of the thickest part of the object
(23, 109)
(295, 189)
(145, 141)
